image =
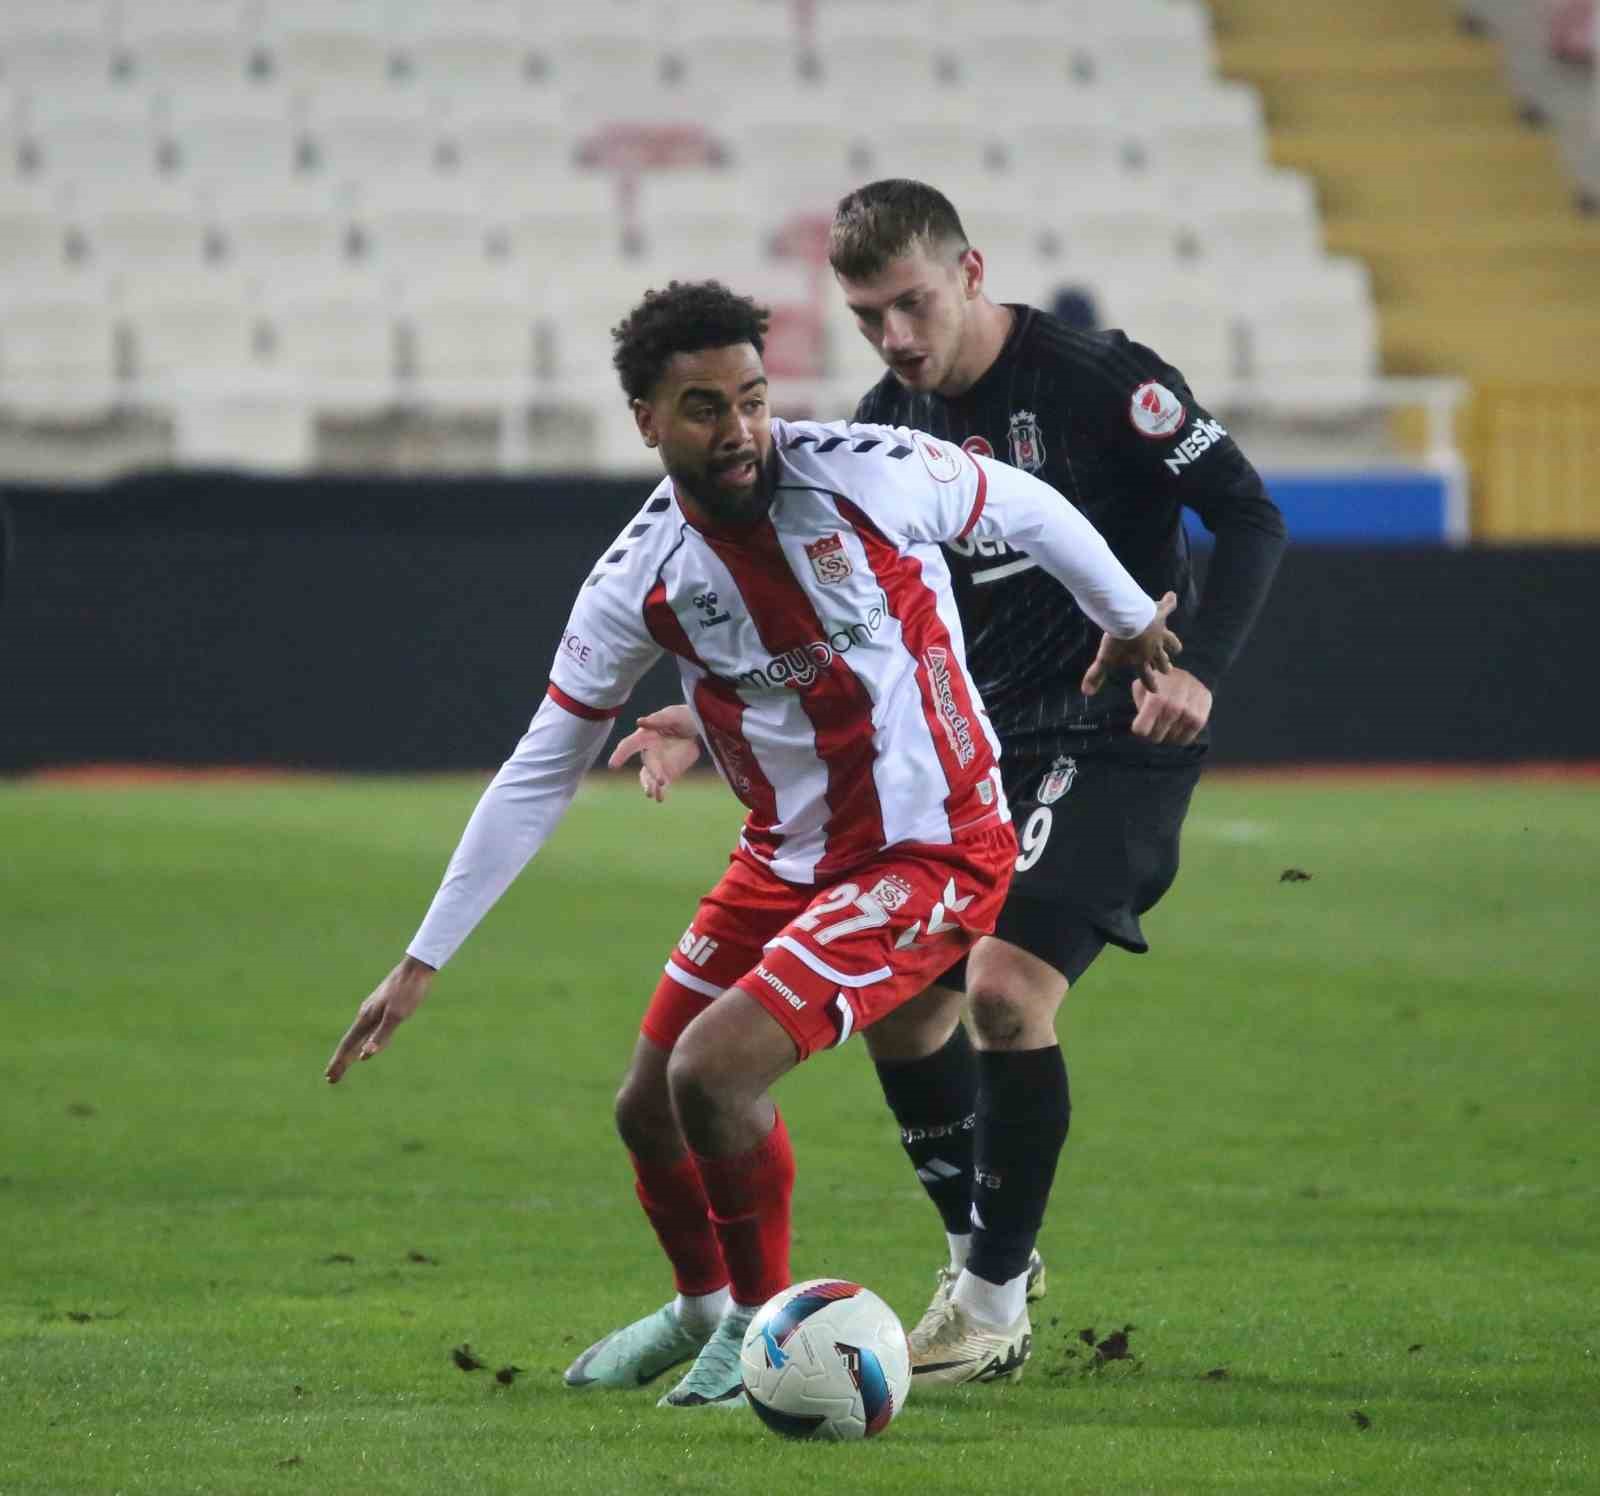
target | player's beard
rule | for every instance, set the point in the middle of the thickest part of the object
(729, 504)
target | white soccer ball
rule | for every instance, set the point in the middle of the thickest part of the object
(826, 1359)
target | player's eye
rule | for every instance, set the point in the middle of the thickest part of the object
(753, 405)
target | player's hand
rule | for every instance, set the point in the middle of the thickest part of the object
(667, 746)
(1149, 654)
(1174, 710)
(394, 1000)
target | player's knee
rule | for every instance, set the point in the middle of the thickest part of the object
(694, 1081)
(643, 1112)
(999, 1019)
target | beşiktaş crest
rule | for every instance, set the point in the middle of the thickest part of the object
(1058, 781)
(829, 559)
(1027, 446)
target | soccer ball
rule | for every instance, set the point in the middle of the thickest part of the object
(826, 1359)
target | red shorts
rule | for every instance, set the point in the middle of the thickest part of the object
(826, 960)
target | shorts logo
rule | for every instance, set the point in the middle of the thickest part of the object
(1155, 411)
(941, 461)
(978, 446)
(829, 559)
(782, 988)
(890, 893)
(1058, 781)
(1027, 446)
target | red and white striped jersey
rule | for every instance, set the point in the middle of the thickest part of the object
(820, 650)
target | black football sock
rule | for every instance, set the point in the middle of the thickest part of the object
(933, 1100)
(1024, 1110)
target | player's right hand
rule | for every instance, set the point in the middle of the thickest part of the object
(1148, 654)
(393, 1000)
(667, 747)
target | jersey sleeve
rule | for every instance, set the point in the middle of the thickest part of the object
(604, 649)
(1154, 427)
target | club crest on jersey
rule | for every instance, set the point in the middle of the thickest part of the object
(1058, 781)
(829, 560)
(1027, 446)
(1155, 411)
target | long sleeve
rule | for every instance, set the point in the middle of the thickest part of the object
(513, 819)
(1250, 541)
(1013, 505)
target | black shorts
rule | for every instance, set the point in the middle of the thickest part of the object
(1098, 836)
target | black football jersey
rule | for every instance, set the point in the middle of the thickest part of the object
(1118, 431)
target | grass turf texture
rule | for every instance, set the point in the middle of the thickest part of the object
(1333, 1159)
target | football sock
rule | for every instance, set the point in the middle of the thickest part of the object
(960, 1249)
(749, 1195)
(700, 1312)
(933, 1099)
(1024, 1109)
(675, 1201)
(996, 1305)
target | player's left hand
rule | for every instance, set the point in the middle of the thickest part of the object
(393, 1000)
(1173, 710)
(1149, 654)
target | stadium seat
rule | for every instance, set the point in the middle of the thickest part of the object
(163, 235)
(896, 70)
(383, 137)
(1185, 317)
(468, 49)
(715, 72)
(58, 356)
(266, 428)
(1053, 156)
(331, 47)
(933, 150)
(183, 343)
(574, 221)
(73, 18)
(1214, 130)
(338, 347)
(501, 143)
(187, 44)
(33, 244)
(411, 232)
(54, 58)
(209, 141)
(599, 72)
(1113, 222)
(105, 146)
(471, 346)
(1237, 222)
(289, 231)
(695, 221)
(1314, 323)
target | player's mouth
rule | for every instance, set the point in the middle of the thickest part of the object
(908, 366)
(741, 471)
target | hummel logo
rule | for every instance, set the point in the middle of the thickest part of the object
(707, 603)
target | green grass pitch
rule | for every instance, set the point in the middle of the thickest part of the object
(1333, 1159)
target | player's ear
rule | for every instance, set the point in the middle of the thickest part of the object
(644, 419)
(972, 274)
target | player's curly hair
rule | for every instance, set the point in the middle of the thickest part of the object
(884, 220)
(684, 318)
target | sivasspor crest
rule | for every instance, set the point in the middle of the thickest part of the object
(1027, 446)
(829, 559)
(890, 892)
(1058, 781)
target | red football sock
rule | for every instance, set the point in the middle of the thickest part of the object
(675, 1201)
(749, 1195)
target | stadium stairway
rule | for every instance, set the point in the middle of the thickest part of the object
(1482, 262)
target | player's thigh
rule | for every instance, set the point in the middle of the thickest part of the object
(870, 943)
(917, 1028)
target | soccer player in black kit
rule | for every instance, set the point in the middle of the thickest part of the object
(1099, 785)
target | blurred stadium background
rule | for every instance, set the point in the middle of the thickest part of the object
(305, 396)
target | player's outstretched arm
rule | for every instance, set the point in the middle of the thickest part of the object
(1148, 653)
(394, 1000)
(667, 748)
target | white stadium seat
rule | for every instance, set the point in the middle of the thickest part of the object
(1312, 322)
(290, 232)
(33, 244)
(467, 47)
(471, 348)
(1215, 129)
(350, 141)
(58, 356)
(507, 148)
(229, 148)
(1241, 221)
(153, 238)
(1185, 317)
(90, 146)
(192, 341)
(1113, 223)
(413, 233)
(572, 221)
(600, 72)
(184, 44)
(331, 51)
(338, 347)
(72, 18)
(37, 60)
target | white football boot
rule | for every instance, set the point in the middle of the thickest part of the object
(948, 1346)
(637, 1353)
(715, 1381)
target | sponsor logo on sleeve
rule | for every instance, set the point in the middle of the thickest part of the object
(830, 562)
(941, 461)
(1195, 445)
(978, 446)
(1027, 446)
(1155, 411)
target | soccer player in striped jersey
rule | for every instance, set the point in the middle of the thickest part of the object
(1099, 785)
(794, 571)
